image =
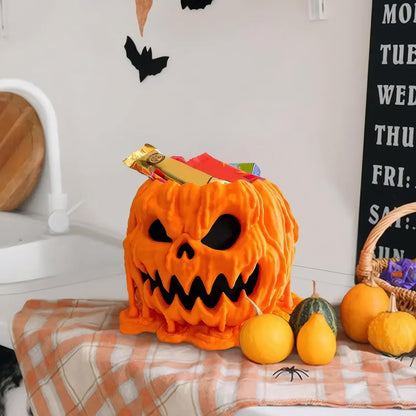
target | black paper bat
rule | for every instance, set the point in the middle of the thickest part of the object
(195, 4)
(144, 61)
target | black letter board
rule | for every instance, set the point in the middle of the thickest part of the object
(389, 163)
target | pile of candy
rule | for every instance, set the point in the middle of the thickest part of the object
(199, 170)
(401, 273)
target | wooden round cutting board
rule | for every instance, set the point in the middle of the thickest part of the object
(22, 150)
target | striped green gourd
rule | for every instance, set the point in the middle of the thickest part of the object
(307, 307)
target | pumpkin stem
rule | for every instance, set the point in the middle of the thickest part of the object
(256, 308)
(314, 293)
(392, 304)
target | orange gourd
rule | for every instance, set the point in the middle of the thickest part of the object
(393, 332)
(266, 338)
(359, 306)
(316, 342)
(192, 253)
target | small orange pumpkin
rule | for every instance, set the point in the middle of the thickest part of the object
(393, 332)
(266, 338)
(359, 306)
(192, 253)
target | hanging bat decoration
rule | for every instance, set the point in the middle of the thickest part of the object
(144, 61)
(195, 4)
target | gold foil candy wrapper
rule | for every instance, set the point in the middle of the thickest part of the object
(150, 162)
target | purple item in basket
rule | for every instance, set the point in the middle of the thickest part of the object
(401, 273)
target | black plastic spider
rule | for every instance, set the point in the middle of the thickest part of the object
(400, 357)
(411, 355)
(292, 371)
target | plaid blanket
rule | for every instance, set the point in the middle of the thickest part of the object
(75, 362)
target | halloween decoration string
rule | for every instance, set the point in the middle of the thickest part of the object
(195, 250)
(292, 371)
(144, 61)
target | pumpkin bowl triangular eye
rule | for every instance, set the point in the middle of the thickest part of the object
(158, 233)
(224, 233)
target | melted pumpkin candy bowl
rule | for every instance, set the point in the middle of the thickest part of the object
(193, 253)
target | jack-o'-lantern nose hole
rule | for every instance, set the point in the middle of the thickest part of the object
(186, 248)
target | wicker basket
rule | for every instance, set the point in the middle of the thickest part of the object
(371, 267)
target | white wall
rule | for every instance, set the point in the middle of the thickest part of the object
(246, 81)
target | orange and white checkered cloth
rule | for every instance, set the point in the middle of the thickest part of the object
(75, 362)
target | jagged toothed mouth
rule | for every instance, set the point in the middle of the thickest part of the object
(198, 290)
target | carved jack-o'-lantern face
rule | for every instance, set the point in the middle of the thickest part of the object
(193, 254)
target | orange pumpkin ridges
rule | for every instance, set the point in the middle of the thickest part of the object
(192, 253)
(393, 332)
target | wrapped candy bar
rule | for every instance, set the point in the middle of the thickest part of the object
(149, 161)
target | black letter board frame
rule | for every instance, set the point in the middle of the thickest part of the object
(389, 169)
